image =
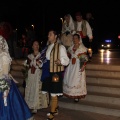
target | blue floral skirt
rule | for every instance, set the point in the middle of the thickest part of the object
(16, 108)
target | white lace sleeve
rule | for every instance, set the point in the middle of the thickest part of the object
(6, 61)
(6, 68)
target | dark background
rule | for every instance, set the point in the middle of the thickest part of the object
(47, 13)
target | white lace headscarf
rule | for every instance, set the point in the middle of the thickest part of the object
(4, 47)
(79, 38)
(71, 23)
(71, 19)
(82, 46)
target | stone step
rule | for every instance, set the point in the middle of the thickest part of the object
(18, 61)
(105, 90)
(103, 94)
(101, 108)
(102, 67)
(16, 73)
(17, 67)
(103, 81)
(103, 74)
(103, 99)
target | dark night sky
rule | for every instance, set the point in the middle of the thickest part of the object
(47, 14)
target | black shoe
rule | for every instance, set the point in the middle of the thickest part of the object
(76, 100)
(54, 113)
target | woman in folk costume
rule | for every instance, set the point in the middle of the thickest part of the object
(67, 31)
(74, 82)
(33, 94)
(57, 58)
(12, 103)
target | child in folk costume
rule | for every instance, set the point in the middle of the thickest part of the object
(57, 58)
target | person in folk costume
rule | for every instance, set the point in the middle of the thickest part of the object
(92, 21)
(57, 58)
(74, 82)
(12, 103)
(84, 29)
(25, 45)
(33, 94)
(68, 29)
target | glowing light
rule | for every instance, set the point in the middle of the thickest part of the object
(61, 20)
(33, 26)
(108, 45)
(118, 36)
(102, 58)
(108, 41)
(89, 50)
(108, 57)
(102, 50)
(102, 45)
(102, 55)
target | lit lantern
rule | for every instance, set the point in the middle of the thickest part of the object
(90, 51)
(55, 78)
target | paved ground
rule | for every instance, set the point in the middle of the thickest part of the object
(65, 114)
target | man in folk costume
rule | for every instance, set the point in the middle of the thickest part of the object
(83, 28)
(57, 57)
(92, 21)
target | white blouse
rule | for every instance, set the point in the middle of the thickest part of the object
(89, 30)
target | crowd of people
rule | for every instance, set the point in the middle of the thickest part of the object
(56, 70)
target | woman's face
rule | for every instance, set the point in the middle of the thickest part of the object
(35, 46)
(51, 37)
(67, 18)
(76, 40)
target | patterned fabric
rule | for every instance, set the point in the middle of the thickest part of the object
(13, 106)
(54, 55)
(33, 94)
(74, 82)
(43, 55)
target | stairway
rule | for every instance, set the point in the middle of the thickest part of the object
(103, 85)
(16, 72)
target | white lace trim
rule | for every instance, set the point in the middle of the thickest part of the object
(5, 57)
(33, 59)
